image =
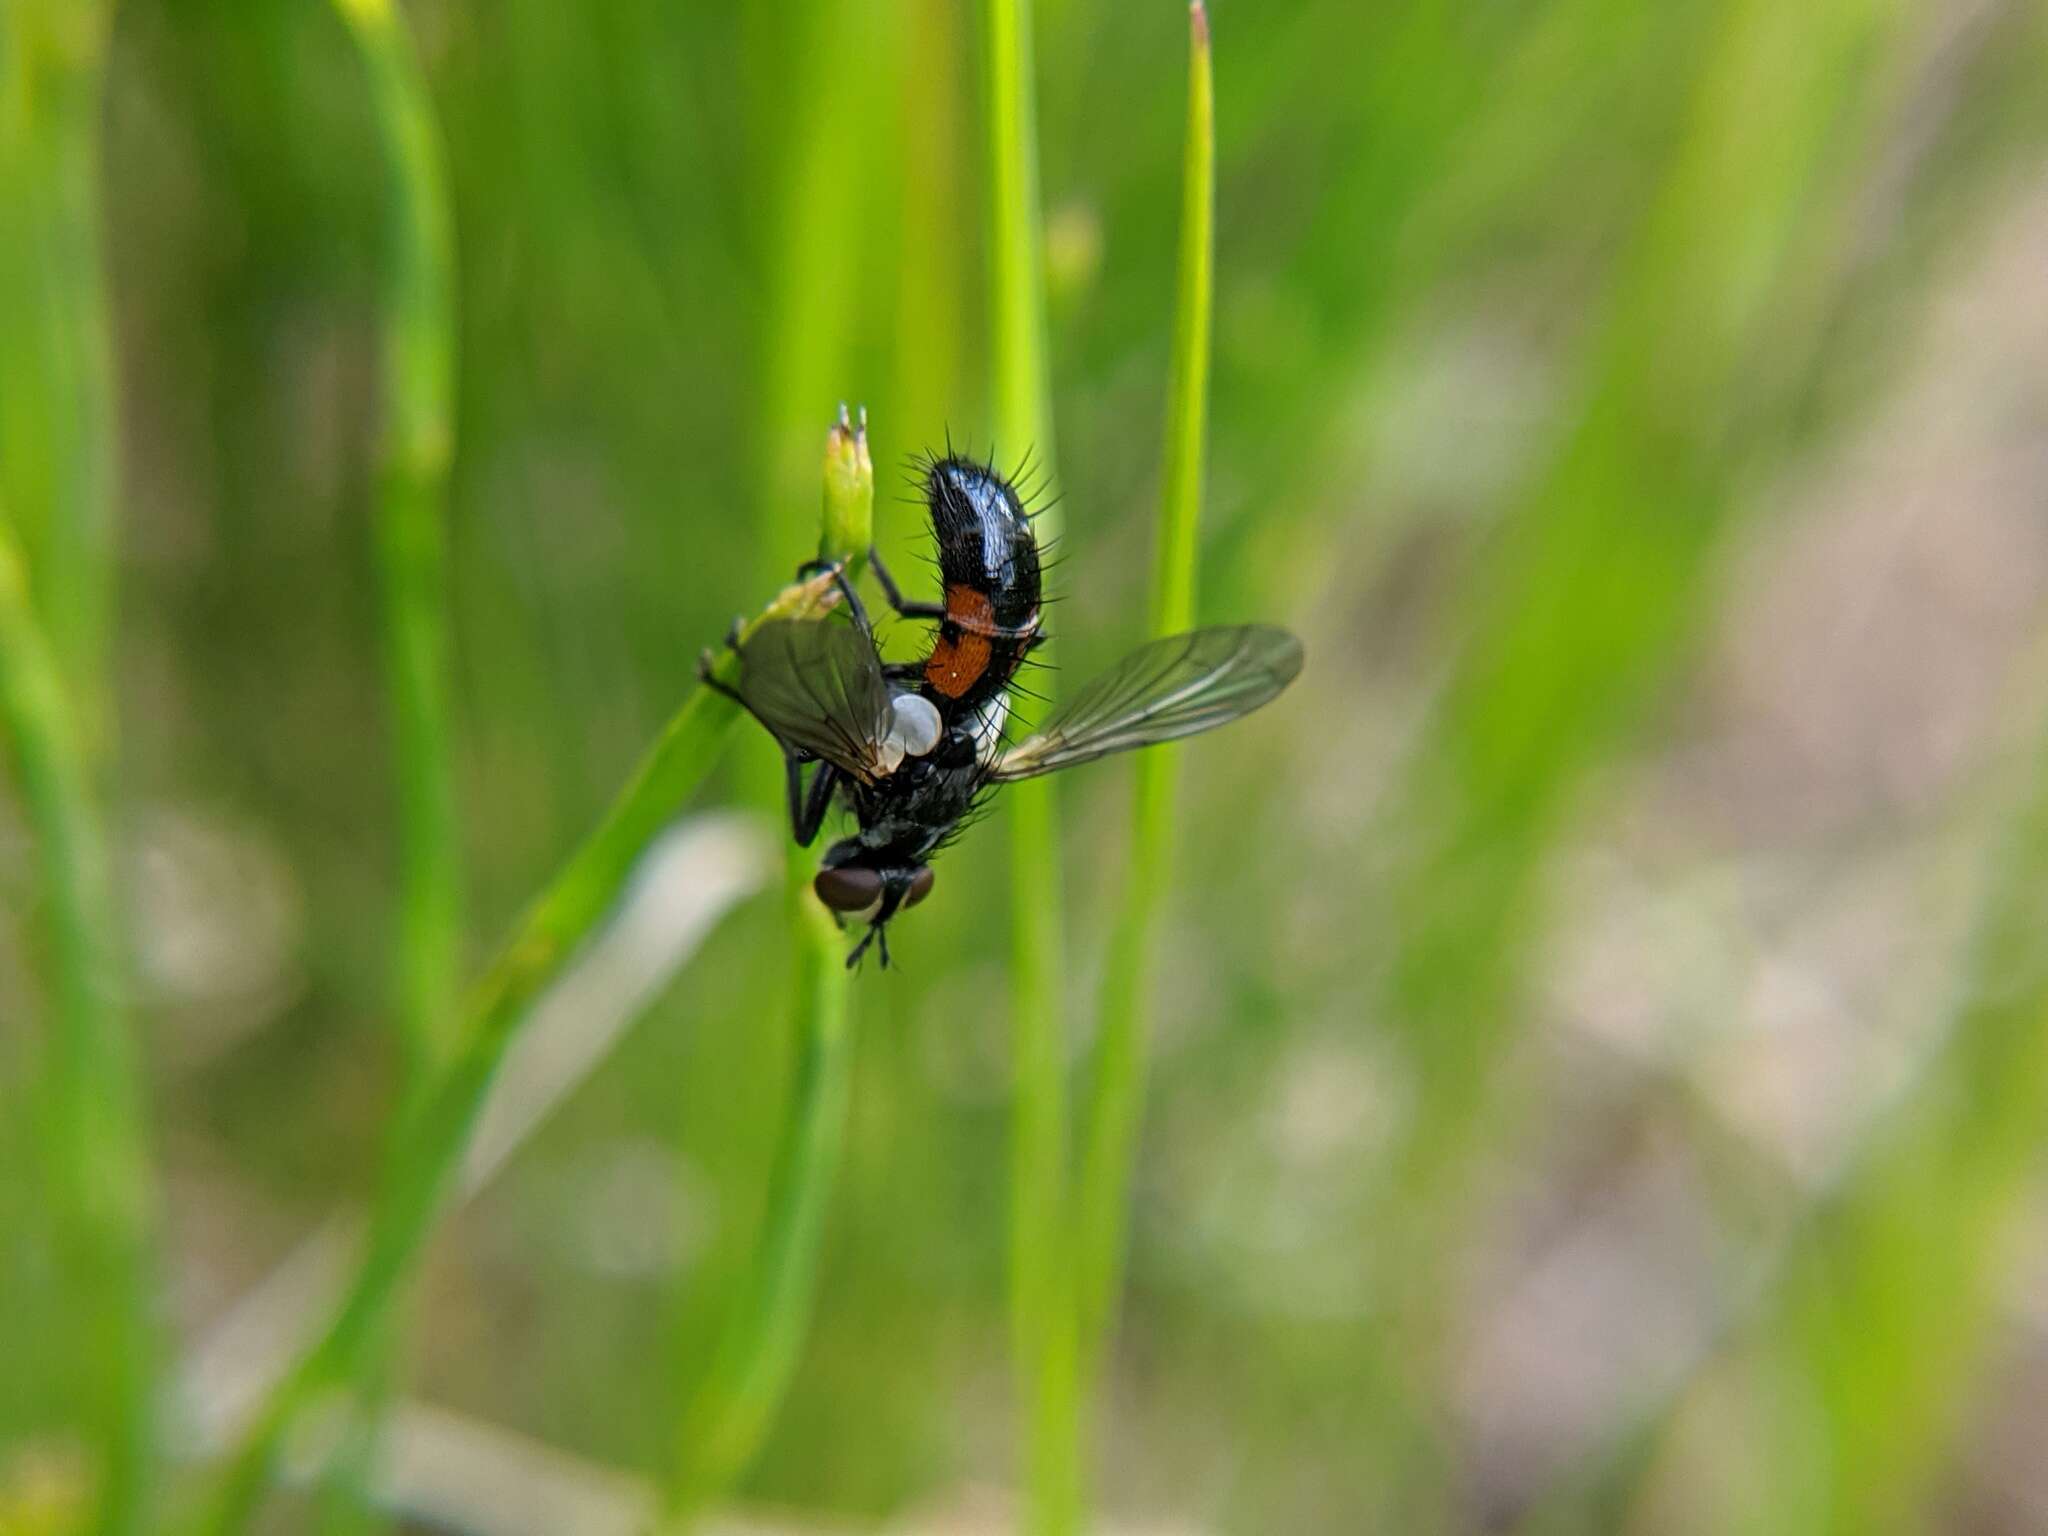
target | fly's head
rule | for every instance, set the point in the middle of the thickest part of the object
(870, 885)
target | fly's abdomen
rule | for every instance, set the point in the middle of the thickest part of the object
(988, 559)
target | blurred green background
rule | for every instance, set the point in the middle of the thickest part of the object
(1602, 1027)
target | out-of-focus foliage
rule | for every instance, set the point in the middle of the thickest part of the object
(1598, 1053)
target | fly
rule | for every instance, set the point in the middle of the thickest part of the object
(912, 747)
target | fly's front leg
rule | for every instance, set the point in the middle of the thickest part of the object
(706, 661)
(711, 680)
(807, 807)
(854, 605)
(895, 593)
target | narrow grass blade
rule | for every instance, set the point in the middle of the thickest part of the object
(430, 1147)
(1117, 1095)
(57, 443)
(757, 1353)
(814, 107)
(99, 1185)
(57, 483)
(417, 340)
(687, 881)
(1042, 1322)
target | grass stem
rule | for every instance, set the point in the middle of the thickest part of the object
(1117, 1093)
(416, 445)
(1041, 1320)
(57, 483)
(100, 1183)
(430, 1146)
(418, 368)
(57, 439)
(757, 1353)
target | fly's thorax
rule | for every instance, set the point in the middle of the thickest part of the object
(906, 814)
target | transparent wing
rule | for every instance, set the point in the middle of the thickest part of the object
(1172, 687)
(817, 684)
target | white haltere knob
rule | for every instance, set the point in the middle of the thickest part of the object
(915, 724)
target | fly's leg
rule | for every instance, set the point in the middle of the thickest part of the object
(878, 929)
(705, 662)
(903, 608)
(807, 807)
(711, 680)
(837, 570)
(708, 676)
(861, 948)
(895, 593)
(877, 935)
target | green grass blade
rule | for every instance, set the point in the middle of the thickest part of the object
(1117, 1094)
(430, 1146)
(757, 1353)
(1041, 1324)
(418, 345)
(100, 1184)
(417, 340)
(57, 482)
(811, 106)
(57, 443)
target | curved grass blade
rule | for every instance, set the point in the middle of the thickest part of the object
(735, 1406)
(417, 342)
(100, 1185)
(57, 410)
(1041, 1312)
(430, 1146)
(1117, 1094)
(418, 366)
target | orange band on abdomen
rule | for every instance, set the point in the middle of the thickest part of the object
(970, 610)
(961, 653)
(956, 664)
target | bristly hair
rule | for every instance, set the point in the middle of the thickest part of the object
(1029, 480)
(977, 812)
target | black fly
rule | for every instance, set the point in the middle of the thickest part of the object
(911, 747)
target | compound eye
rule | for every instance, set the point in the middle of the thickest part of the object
(848, 889)
(920, 886)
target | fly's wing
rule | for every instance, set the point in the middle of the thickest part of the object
(1172, 687)
(817, 684)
